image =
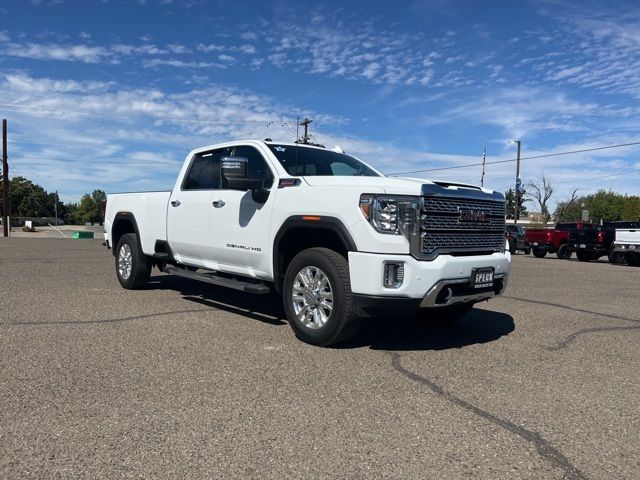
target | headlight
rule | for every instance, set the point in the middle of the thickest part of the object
(395, 215)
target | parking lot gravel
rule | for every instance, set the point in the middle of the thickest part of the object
(186, 380)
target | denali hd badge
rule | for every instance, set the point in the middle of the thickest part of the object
(472, 215)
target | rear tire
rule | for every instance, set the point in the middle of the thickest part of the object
(317, 297)
(563, 252)
(633, 259)
(538, 252)
(527, 250)
(132, 266)
(513, 247)
(616, 258)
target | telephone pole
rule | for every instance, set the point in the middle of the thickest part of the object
(305, 123)
(5, 181)
(516, 202)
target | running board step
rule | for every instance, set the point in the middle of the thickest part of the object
(249, 287)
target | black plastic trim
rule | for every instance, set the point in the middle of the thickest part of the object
(125, 216)
(378, 305)
(324, 223)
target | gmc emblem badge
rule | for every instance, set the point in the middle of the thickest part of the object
(473, 216)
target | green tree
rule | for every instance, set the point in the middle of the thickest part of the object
(88, 209)
(26, 199)
(510, 201)
(631, 208)
(604, 205)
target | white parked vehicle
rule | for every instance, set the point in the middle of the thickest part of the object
(336, 238)
(627, 242)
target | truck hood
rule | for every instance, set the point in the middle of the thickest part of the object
(389, 185)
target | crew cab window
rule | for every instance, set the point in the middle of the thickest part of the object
(204, 171)
(256, 165)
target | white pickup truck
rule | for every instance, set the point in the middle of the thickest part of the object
(627, 242)
(337, 239)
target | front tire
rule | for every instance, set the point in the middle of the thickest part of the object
(563, 252)
(317, 297)
(132, 266)
(538, 252)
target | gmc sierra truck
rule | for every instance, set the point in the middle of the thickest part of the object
(627, 244)
(338, 240)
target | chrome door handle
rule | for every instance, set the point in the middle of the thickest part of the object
(175, 203)
(218, 203)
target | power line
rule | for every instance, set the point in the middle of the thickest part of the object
(522, 158)
(96, 161)
(27, 109)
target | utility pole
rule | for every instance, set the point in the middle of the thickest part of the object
(305, 123)
(5, 181)
(516, 201)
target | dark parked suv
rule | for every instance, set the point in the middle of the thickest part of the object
(515, 235)
(594, 243)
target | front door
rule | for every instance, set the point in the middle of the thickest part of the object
(240, 226)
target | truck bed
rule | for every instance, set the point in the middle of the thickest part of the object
(149, 210)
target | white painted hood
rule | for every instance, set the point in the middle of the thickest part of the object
(389, 185)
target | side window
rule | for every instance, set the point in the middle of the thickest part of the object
(204, 171)
(257, 166)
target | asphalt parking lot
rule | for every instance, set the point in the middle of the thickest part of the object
(185, 380)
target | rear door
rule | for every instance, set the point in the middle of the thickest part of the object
(189, 210)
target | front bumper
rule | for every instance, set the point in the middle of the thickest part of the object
(425, 281)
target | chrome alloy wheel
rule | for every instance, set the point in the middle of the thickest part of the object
(124, 261)
(312, 297)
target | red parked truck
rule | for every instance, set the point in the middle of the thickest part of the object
(552, 240)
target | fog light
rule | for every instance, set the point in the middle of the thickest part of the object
(393, 274)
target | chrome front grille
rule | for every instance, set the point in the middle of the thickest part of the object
(444, 230)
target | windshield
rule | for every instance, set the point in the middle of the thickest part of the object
(305, 161)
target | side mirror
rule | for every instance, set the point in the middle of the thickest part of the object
(233, 176)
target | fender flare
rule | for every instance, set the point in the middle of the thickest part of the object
(129, 217)
(319, 222)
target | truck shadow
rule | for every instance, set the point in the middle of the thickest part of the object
(400, 333)
(410, 332)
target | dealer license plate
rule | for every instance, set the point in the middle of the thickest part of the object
(632, 247)
(482, 277)
(582, 245)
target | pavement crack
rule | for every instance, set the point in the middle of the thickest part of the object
(571, 338)
(573, 309)
(110, 320)
(547, 451)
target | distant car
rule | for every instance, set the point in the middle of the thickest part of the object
(515, 235)
(553, 240)
(627, 244)
(591, 244)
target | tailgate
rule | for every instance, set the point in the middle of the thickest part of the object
(628, 236)
(538, 235)
(583, 236)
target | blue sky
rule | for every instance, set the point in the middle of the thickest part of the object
(113, 94)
